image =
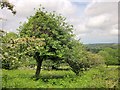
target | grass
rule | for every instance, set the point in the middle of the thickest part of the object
(99, 77)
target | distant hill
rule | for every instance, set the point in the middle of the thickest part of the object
(95, 48)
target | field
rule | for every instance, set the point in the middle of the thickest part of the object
(47, 41)
(97, 77)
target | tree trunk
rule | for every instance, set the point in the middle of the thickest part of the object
(39, 64)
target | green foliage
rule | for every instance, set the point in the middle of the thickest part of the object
(76, 57)
(51, 65)
(110, 55)
(14, 49)
(79, 59)
(95, 48)
(58, 38)
(109, 52)
(51, 27)
(95, 59)
(99, 77)
(46, 36)
(8, 60)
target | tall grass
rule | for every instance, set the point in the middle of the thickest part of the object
(99, 77)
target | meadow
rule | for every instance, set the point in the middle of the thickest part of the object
(47, 39)
(97, 77)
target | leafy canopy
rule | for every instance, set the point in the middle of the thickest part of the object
(14, 48)
(46, 36)
(53, 28)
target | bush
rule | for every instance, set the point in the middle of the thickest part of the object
(94, 59)
(76, 57)
(8, 56)
(110, 55)
(50, 65)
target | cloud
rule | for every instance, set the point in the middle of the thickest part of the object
(101, 22)
(98, 21)
(25, 8)
(97, 8)
(94, 21)
(114, 30)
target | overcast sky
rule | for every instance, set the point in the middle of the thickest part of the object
(95, 21)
